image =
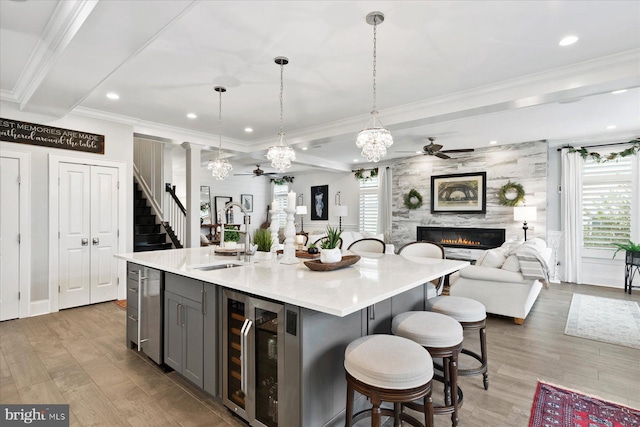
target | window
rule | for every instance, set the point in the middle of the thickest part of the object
(280, 196)
(607, 200)
(368, 221)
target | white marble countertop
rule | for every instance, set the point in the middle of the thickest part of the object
(375, 278)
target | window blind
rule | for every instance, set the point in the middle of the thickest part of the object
(368, 221)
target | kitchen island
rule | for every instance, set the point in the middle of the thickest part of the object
(274, 342)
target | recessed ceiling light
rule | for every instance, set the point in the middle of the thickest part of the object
(113, 95)
(192, 116)
(248, 130)
(616, 92)
(418, 152)
(305, 148)
(610, 127)
(355, 160)
(493, 142)
(568, 41)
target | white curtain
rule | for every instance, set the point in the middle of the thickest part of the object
(385, 203)
(571, 211)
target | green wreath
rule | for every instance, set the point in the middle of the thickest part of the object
(508, 188)
(413, 194)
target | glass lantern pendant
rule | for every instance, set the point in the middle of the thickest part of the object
(281, 155)
(219, 167)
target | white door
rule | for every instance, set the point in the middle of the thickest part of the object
(75, 233)
(88, 225)
(9, 238)
(104, 233)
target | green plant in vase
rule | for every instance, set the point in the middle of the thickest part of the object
(231, 235)
(262, 239)
(330, 246)
(313, 249)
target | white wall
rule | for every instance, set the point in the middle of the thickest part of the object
(337, 181)
(118, 147)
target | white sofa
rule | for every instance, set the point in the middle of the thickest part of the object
(498, 282)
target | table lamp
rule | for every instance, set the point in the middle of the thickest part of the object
(525, 213)
(301, 210)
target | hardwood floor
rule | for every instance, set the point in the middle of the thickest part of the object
(78, 356)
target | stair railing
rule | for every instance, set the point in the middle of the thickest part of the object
(176, 214)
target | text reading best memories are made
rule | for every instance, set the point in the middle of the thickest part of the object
(49, 136)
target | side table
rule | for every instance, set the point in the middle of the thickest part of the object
(631, 268)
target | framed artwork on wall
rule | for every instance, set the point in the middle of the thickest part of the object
(320, 203)
(246, 200)
(462, 192)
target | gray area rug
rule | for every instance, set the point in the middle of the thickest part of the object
(604, 319)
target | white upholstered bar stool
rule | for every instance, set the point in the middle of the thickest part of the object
(427, 250)
(368, 244)
(387, 368)
(472, 316)
(442, 337)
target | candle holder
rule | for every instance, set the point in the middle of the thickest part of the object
(274, 227)
(289, 255)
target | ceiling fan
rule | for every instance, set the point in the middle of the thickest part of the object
(257, 172)
(433, 149)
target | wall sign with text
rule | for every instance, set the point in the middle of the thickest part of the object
(49, 136)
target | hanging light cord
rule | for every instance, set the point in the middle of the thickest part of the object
(220, 124)
(281, 103)
(375, 28)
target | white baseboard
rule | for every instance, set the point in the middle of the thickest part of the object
(38, 308)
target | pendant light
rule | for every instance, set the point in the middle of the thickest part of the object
(375, 139)
(219, 167)
(281, 155)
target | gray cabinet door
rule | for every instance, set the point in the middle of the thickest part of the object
(192, 345)
(210, 340)
(379, 318)
(173, 340)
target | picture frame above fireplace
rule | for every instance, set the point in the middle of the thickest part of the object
(462, 192)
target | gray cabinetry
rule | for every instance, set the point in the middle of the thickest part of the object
(377, 317)
(183, 327)
(144, 310)
(210, 339)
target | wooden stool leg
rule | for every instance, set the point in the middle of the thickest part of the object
(446, 372)
(348, 413)
(453, 386)
(397, 408)
(428, 410)
(483, 355)
(376, 416)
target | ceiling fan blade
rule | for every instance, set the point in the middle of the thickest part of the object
(461, 150)
(441, 155)
(435, 147)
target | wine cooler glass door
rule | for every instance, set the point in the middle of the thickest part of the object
(236, 352)
(268, 328)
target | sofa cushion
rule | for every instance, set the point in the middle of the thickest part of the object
(491, 274)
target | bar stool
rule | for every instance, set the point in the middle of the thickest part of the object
(442, 336)
(472, 316)
(387, 368)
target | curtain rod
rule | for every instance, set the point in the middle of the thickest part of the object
(598, 145)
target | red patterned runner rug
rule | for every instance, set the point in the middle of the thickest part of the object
(559, 407)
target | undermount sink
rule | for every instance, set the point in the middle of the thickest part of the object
(220, 266)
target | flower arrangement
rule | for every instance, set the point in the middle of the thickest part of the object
(584, 153)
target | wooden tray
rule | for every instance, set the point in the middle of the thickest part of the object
(304, 254)
(346, 261)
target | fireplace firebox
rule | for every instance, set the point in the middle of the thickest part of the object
(467, 238)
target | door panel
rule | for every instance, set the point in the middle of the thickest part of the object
(193, 356)
(74, 227)
(104, 233)
(173, 330)
(9, 246)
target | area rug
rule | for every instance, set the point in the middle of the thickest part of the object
(559, 407)
(604, 319)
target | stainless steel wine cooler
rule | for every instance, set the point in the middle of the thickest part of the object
(253, 359)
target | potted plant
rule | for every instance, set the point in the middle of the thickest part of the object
(262, 240)
(331, 253)
(313, 249)
(632, 252)
(231, 238)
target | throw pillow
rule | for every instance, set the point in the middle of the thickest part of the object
(511, 264)
(204, 240)
(493, 258)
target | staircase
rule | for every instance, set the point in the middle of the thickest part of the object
(147, 234)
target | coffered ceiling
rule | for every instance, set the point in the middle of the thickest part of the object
(466, 72)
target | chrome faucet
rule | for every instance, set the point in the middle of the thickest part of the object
(247, 236)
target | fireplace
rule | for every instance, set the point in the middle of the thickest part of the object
(467, 238)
